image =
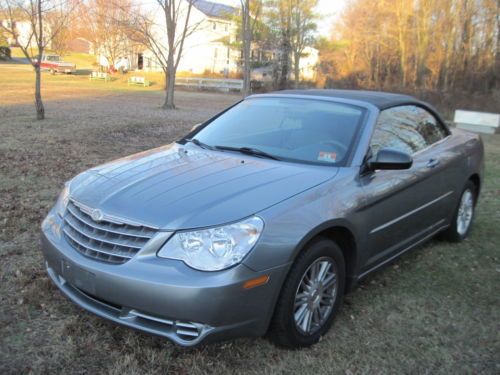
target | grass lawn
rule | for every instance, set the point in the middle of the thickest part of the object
(435, 310)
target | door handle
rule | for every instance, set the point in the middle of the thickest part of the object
(432, 163)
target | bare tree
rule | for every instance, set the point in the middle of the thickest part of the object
(40, 34)
(279, 17)
(285, 22)
(104, 23)
(250, 13)
(60, 43)
(420, 44)
(303, 28)
(176, 25)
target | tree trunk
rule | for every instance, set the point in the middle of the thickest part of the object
(247, 70)
(170, 71)
(285, 57)
(40, 110)
(296, 68)
(247, 44)
(169, 87)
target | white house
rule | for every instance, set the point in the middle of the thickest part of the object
(209, 48)
(23, 31)
(308, 62)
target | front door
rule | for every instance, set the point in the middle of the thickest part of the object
(402, 206)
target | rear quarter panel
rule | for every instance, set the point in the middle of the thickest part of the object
(465, 151)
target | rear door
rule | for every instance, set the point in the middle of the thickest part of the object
(403, 206)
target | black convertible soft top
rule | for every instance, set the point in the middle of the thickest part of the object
(379, 99)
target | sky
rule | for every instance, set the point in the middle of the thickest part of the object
(329, 9)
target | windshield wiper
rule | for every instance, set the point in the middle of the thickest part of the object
(248, 151)
(199, 143)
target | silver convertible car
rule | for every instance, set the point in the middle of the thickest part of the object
(263, 217)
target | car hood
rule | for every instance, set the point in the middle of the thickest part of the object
(179, 187)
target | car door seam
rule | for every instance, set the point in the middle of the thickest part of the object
(399, 218)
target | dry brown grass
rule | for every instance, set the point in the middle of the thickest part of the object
(434, 311)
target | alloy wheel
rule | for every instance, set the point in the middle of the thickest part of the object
(465, 211)
(315, 295)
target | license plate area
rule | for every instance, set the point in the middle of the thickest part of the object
(78, 277)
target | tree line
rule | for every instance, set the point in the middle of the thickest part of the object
(414, 44)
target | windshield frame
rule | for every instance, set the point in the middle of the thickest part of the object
(364, 108)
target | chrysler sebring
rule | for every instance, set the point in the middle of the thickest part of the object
(261, 219)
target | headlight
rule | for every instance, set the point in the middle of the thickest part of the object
(62, 201)
(216, 248)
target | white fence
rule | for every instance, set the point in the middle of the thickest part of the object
(210, 83)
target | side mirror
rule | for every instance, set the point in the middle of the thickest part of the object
(388, 158)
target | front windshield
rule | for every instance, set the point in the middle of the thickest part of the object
(52, 58)
(303, 130)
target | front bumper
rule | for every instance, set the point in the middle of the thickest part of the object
(162, 296)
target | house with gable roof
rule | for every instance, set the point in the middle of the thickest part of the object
(210, 48)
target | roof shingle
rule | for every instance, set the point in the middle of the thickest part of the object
(215, 10)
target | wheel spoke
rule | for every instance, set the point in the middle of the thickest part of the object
(324, 267)
(299, 315)
(300, 299)
(306, 323)
(316, 316)
(329, 281)
(314, 272)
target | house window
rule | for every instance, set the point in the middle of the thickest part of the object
(215, 53)
(214, 26)
(226, 27)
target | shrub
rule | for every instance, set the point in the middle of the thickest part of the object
(4, 53)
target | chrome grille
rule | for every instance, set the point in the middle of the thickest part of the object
(106, 240)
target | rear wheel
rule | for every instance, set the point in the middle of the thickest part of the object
(311, 296)
(464, 215)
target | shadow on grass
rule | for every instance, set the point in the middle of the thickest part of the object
(82, 72)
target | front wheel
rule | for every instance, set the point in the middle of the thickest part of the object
(311, 296)
(464, 214)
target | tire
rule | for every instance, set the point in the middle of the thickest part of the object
(285, 329)
(458, 231)
(52, 71)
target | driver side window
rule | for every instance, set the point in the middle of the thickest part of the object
(398, 128)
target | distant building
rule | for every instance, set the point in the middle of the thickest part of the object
(23, 31)
(81, 45)
(210, 48)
